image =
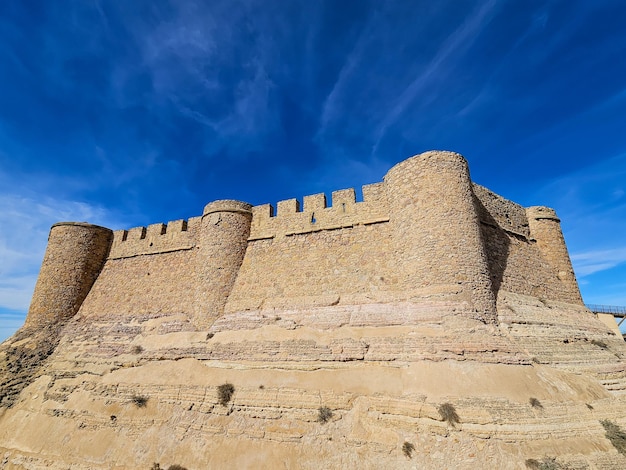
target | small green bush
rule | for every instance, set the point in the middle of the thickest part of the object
(448, 413)
(225, 393)
(324, 414)
(139, 401)
(615, 434)
(137, 349)
(407, 449)
(535, 403)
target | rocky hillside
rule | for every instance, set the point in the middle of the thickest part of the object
(391, 385)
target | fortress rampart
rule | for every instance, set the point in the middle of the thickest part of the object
(425, 235)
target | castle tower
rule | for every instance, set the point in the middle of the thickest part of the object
(74, 257)
(437, 240)
(222, 243)
(545, 227)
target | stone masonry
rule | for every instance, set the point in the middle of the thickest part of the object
(425, 234)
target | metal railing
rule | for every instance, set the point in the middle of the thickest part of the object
(616, 311)
(612, 309)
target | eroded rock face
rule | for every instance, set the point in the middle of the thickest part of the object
(23, 357)
(134, 390)
(413, 329)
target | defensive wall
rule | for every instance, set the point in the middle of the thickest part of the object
(425, 234)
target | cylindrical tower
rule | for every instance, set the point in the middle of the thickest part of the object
(74, 257)
(222, 243)
(437, 237)
(545, 228)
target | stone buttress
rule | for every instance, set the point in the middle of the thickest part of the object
(437, 239)
(545, 228)
(222, 243)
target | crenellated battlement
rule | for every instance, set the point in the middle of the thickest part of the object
(156, 238)
(315, 215)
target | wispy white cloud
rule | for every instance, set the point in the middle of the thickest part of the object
(593, 193)
(458, 41)
(590, 262)
(592, 205)
(16, 292)
(486, 94)
(334, 105)
(9, 323)
(211, 62)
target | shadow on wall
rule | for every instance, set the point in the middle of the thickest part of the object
(497, 246)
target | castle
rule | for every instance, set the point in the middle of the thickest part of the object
(434, 324)
(425, 233)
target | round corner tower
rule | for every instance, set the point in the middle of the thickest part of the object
(74, 257)
(222, 244)
(437, 234)
(545, 228)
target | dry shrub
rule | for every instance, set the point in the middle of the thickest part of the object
(225, 393)
(448, 413)
(324, 414)
(407, 449)
(615, 434)
(139, 401)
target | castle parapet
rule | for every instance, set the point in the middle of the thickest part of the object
(74, 257)
(156, 238)
(316, 215)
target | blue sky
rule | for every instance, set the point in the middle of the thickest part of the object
(124, 113)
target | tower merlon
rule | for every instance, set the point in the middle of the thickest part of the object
(374, 194)
(288, 206)
(156, 230)
(343, 198)
(136, 233)
(314, 202)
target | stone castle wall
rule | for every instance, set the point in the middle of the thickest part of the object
(525, 249)
(425, 234)
(149, 269)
